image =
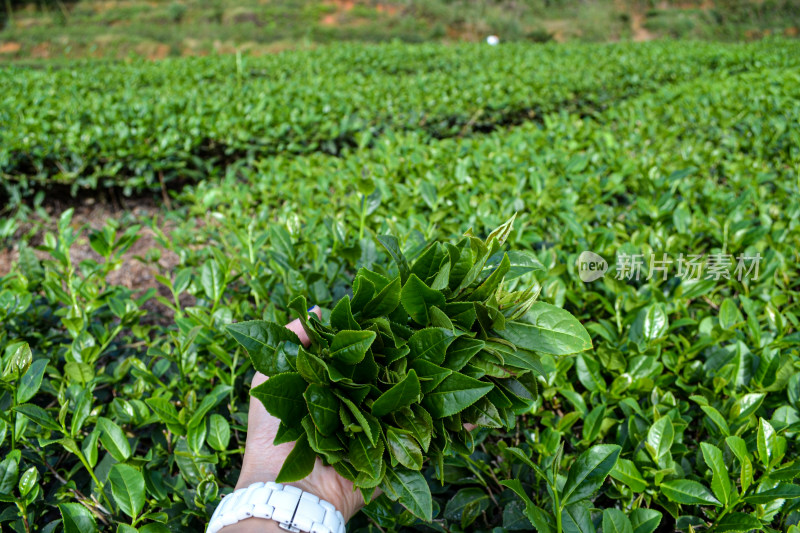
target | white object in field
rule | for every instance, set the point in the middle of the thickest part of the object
(493, 40)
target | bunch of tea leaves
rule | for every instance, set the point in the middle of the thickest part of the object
(404, 364)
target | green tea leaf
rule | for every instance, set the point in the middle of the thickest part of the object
(27, 481)
(488, 287)
(384, 302)
(213, 280)
(454, 394)
(76, 518)
(739, 449)
(688, 492)
(403, 448)
(738, 522)
(659, 440)
(409, 488)
(417, 298)
(38, 415)
(430, 375)
(365, 456)
(9, 472)
(461, 351)
(391, 245)
(127, 486)
(483, 413)
(548, 329)
(400, 395)
(765, 441)
(651, 323)
(589, 472)
(114, 440)
(363, 291)
(576, 518)
(418, 422)
(263, 342)
(785, 491)
(282, 396)
(746, 405)
(299, 463)
(18, 362)
(287, 433)
(729, 315)
(368, 423)
(350, 347)
(164, 409)
(615, 521)
(323, 406)
(31, 381)
(717, 418)
(426, 266)
(219, 432)
(342, 316)
(312, 368)
(540, 519)
(720, 484)
(466, 505)
(645, 520)
(211, 400)
(430, 344)
(625, 471)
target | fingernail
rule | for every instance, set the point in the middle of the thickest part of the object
(310, 308)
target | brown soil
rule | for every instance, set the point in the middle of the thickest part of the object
(344, 5)
(638, 31)
(560, 29)
(389, 9)
(111, 5)
(241, 15)
(637, 19)
(133, 273)
(152, 50)
(41, 51)
(226, 47)
(32, 22)
(700, 4)
(10, 47)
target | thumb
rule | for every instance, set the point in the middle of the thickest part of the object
(297, 327)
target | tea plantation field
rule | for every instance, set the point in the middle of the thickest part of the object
(124, 408)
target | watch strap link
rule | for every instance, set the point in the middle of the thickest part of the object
(293, 509)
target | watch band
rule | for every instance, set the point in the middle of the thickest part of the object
(293, 509)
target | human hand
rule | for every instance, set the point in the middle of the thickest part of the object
(263, 460)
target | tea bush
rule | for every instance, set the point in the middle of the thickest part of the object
(684, 415)
(138, 125)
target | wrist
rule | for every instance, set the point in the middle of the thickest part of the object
(271, 506)
(329, 488)
(253, 525)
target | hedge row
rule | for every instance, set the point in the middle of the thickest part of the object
(138, 125)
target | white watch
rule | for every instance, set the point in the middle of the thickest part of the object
(293, 509)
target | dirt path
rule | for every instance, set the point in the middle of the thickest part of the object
(637, 19)
(638, 32)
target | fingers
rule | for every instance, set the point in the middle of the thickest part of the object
(258, 379)
(297, 327)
